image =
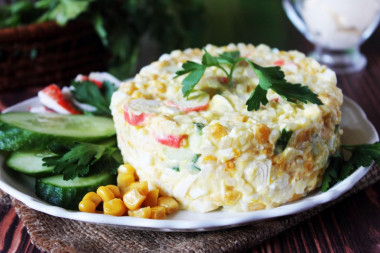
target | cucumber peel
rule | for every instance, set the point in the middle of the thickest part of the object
(23, 130)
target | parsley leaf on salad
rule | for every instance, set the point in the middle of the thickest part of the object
(269, 78)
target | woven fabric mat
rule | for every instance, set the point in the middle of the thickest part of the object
(53, 234)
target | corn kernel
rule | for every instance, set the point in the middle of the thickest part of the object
(236, 152)
(114, 207)
(115, 190)
(231, 195)
(262, 133)
(151, 198)
(125, 180)
(86, 205)
(157, 212)
(105, 193)
(169, 203)
(217, 131)
(160, 87)
(137, 94)
(93, 197)
(129, 169)
(210, 158)
(142, 187)
(230, 165)
(133, 199)
(144, 212)
(256, 206)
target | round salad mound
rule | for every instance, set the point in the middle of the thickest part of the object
(208, 149)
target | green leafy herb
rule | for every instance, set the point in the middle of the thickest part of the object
(195, 167)
(195, 158)
(81, 159)
(282, 141)
(199, 127)
(87, 92)
(339, 168)
(336, 129)
(176, 168)
(269, 78)
(330, 176)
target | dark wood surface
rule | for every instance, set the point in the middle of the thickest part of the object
(352, 225)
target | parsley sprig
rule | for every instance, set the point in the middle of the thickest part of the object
(81, 159)
(88, 93)
(339, 168)
(269, 78)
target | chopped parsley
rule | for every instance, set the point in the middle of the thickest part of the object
(282, 141)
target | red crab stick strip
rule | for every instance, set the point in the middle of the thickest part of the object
(137, 111)
(279, 62)
(173, 141)
(198, 101)
(52, 98)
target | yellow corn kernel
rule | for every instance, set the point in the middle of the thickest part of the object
(140, 213)
(129, 88)
(170, 204)
(157, 212)
(93, 197)
(133, 199)
(129, 169)
(262, 133)
(125, 180)
(115, 190)
(217, 131)
(137, 94)
(161, 87)
(184, 142)
(231, 195)
(86, 205)
(105, 193)
(210, 158)
(142, 187)
(230, 165)
(256, 206)
(114, 207)
(151, 198)
(236, 152)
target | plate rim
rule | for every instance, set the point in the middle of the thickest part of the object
(183, 225)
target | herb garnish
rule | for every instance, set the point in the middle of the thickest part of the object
(282, 141)
(81, 159)
(339, 169)
(199, 127)
(87, 92)
(269, 78)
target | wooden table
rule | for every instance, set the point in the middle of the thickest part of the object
(350, 226)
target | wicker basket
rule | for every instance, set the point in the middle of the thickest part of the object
(39, 54)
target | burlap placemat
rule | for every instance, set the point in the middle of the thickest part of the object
(62, 235)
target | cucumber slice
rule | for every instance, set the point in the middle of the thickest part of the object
(23, 130)
(68, 194)
(30, 163)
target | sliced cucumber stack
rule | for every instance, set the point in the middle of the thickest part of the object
(30, 163)
(68, 194)
(22, 130)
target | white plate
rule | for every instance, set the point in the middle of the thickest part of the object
(357, 130)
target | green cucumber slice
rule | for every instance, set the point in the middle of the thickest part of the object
(30, 163)
(23, 130)
(68, 194)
